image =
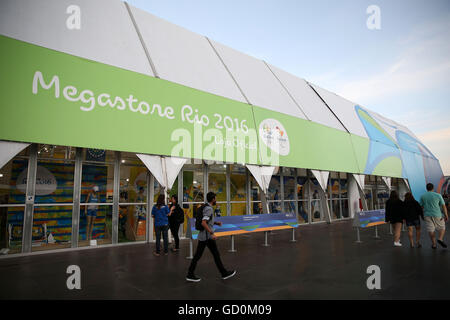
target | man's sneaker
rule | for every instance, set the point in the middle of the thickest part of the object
(442, 243)
(228, 274)
(193, 278)
(397, 244)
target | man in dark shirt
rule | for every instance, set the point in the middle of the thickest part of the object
(207, 238)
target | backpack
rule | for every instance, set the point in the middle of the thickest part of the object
(199, 217)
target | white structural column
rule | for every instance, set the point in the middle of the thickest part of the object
(322, 178)
(360, 180)
(9, 150)
(262, 175)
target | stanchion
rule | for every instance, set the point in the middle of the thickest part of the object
(376, 233)
(265, 239)
(232, 245)
(191, 249)
(358, 240)
(293, 236)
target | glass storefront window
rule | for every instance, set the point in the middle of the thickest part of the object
(317, 213)
(290, 185)
(97, 188)
(11, 224)
(13, 184)
(238, 194)
(255, 190)
(193, 192)
(302, 196)
(132, 198)
(13, 179)
(133, 179)
(95, 224)
(132, 220)
(52, 217)
(274, 194)
(217, 178)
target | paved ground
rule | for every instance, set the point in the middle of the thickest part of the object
(325, 263)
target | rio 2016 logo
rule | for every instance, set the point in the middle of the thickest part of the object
(274, 136)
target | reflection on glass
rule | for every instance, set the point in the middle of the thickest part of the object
(255, 191)
(97, 186)
(238, 209)
(316, 205)
(237, 187)
(369, 198)
(11, 223)
(52, 227)
(101, 228)
(13, 181)
(132, 219)
(256, 207)
(345, 211)
(335, 209)
(274, 195)
(303, 211)
(133, 179)
(193, 185)
(217, 184)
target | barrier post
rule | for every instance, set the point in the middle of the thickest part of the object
(232, 244)
(358, 240)
(191, 256)
(265, 239)
(376, 233)
(293, 236)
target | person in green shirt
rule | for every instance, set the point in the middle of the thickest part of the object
(432, 203)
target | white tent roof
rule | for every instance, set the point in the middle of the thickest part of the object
(134, 40)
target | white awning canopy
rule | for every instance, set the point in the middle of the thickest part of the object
(322, 178)
(360, 179)
(9, 150)
(164, 169)
(262, 175)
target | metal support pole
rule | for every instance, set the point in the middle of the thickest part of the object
(27, 229)
(232, 245)
(265, 239)
(76, 197)
(358, 240)
(293, 235)
(116, 191)
(390, 229)
(191, 250)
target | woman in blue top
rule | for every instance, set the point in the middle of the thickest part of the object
(160, 214)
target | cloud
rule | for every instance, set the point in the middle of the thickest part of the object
(423, 63)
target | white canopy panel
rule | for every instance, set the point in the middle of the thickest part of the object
(9, 150)
(257, 82)
(184, 57)
(322, 178)
(310, 103)
(106, 32)
(344, 110)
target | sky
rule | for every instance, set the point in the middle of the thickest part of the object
(401, 70)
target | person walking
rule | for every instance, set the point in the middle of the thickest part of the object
(160, 214)
(432, 203)
(207, 238)
(395, 215)
(413, 213)
(175, 220)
